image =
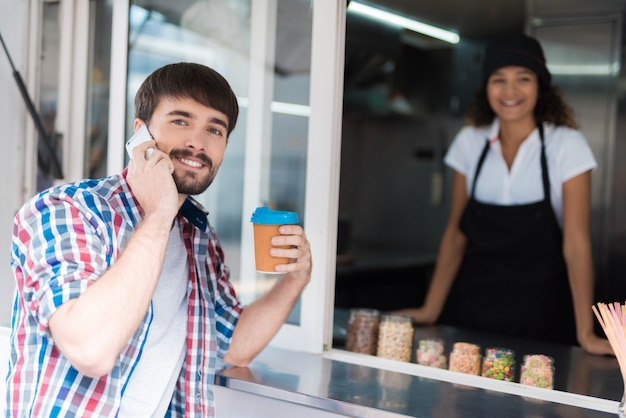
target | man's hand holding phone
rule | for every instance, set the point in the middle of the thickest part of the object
(150, 177)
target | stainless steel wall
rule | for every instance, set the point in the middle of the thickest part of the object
(583, 44)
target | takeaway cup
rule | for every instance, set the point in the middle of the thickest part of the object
(266, 223)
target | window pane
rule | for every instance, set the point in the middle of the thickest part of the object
(97, 113)
(286, 170)
(49, 94)
(216, 34)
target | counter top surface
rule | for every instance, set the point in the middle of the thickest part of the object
(585, 385)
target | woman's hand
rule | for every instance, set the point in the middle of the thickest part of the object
(596, 345)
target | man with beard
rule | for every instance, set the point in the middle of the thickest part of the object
(123, 301)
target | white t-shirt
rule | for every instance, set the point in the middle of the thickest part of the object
(152, 384)
(567, 153)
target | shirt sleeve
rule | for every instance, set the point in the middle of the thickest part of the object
(460, 153)
(575, 154)
(56, 253)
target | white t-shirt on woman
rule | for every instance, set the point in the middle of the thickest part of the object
(567, 152)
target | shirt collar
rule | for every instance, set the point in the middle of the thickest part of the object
(195, 213)
(494, 129)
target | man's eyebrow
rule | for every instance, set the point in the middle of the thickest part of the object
(181, 113)
(189, 115)
(218, 121)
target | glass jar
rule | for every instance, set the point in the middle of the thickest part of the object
(362, 334)
(538, 371)
(465, 358)
(499, 363)
(430, 353)
(395, 337)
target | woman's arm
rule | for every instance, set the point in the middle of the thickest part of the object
(577, 253)
(449, 257)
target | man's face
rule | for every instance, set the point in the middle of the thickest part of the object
(195, 138)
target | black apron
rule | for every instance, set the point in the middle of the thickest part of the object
(513, 278)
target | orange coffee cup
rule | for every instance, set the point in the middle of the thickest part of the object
(266, 223)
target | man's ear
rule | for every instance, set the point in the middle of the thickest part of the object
(137, 123)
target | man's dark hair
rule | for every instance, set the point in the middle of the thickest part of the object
(187, 80)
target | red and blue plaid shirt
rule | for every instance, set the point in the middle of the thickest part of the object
(63, 240)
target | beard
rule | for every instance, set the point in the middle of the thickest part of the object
(191, 183)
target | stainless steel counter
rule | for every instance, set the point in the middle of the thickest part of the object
(585, 385)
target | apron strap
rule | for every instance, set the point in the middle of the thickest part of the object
(544, 166)
(479, 166)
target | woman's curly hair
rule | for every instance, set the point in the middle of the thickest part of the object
(551, 107)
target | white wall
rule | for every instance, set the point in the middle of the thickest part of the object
(14, 24)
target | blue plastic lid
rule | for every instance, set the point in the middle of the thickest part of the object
(267, 216)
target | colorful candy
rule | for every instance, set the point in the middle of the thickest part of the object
(538, 371)
(465, 358)
(499, 363)
(430, 353)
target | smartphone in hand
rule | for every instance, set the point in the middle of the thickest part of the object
(142, 135)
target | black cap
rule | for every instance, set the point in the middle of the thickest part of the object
(520, 50)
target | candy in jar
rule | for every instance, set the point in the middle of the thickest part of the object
(499, 363)
(430, 353)
(538, 371)
(465, 358)
(395, 337)
(362, 334)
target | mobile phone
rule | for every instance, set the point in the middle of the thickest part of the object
(142, 135)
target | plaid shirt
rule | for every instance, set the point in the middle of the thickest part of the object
(63, 240)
